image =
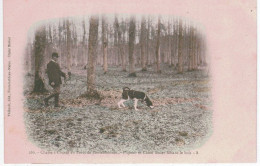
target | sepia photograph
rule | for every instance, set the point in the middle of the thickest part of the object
(117, 84)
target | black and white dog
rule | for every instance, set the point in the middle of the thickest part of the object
(135, 95)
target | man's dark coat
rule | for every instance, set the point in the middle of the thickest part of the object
(54, 73)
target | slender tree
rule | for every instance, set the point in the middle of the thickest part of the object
(75, 45)
(68, 44)
(39, 50)
(195, 48)
(92, 54)
(143, 63)
(147, 42)
(60, 40)
(49, 48)
(174, 43)
(119, 30)
(28, 58)
(104, 43)
(157, 51)
(190, 53)
(50, 34)
(116, 50)
(198, 51)
(84, 43)
(169, 43)
(180, 56)
(131, 46)
(122, 44)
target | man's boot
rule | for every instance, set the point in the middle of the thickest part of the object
(47, 99)
(46, 102)
(56, 100)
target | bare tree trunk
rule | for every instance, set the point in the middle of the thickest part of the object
(104, 43)
(92, 54)
(50, 35)
(84, 44)
(184, 46)
(199, 52)
(28, 60)
(190, 49)
(147, 43)
(195, 52)
(174, 43)
(109, 47)
(73, 45)
(180, 56)
(116, 50)
(122, 47)
(169, 44)
(157, 51)
(49, 42)
(143, 63)
(59, 42)
(33, 58)
(193, 49)
(131, 46)
(39, 49)
(120, 44)
(68, 45)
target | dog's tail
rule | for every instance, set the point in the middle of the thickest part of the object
(126, 88)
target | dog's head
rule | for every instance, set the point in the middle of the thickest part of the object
(149, 102)
(125, 93)
(126, 89)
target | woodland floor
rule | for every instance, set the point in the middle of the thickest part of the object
(180, 120)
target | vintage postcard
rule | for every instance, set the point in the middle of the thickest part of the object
(134, 81)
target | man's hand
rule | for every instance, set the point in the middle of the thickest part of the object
(65, 78)
(52, 84)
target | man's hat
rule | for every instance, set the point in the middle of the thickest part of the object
(55, 54)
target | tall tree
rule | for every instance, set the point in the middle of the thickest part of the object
(195, 48)
(60, 29)
(174, 43)
(169, 43)
(198, 50)
(131, 46)
(180, 56)
(49, 48)
(147, 42)
(75, 45)
(104, 43)
(143, 64)
(190, 53)
(28, 58)
(119, 30)
(116, 50)
(39, 50)
(84, 43)
(157, 51)
(50, 34)
(92, 54)
(122, 43)
(68, 44)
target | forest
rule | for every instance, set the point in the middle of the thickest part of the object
(163, 56)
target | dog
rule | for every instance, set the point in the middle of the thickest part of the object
(134, 95)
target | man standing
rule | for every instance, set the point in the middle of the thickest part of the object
(54, 74)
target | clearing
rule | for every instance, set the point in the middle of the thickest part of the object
(181, 119)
